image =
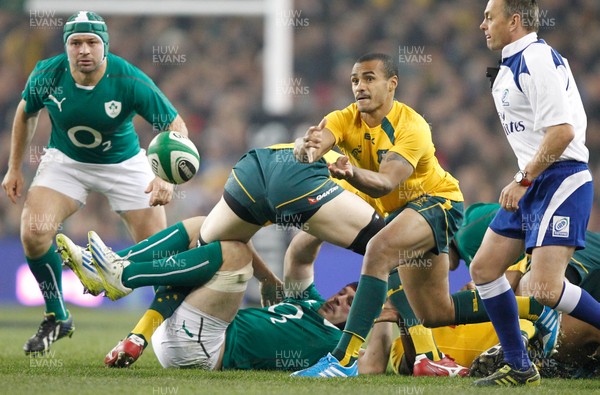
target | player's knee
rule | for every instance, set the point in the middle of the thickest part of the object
(378, 255)
(477, 272)
(359, 245)
(36, 237)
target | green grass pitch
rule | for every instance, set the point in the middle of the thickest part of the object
(74, 366)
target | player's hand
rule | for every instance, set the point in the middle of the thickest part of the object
(271, 291)
(470, 286)
(161, 192)
(306, 147)
(341, 168)
(511, 195)
(388, 314)
(13, 184)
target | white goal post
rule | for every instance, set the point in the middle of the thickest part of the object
(278, 36)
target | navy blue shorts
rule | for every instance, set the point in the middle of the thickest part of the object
(555, 210)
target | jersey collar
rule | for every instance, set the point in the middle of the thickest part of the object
(519, 45)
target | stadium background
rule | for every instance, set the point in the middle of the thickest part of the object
(211, 68)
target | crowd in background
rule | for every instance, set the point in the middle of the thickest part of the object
(214, 78)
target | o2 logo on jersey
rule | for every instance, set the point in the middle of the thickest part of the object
(560, 226)
(284, 317)
(88, 138)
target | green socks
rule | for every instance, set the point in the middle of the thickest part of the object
(47, 270)
(192, 268)
(163, 244)
(366, 307)
(469, 309)
(422, 337)
(168, 298)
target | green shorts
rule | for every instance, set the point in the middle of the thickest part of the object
(270, 185)
(444, 216)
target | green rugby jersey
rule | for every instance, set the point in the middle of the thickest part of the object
(95, 125)
(287, 336)
(475, 223)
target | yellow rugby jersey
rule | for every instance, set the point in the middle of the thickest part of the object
(464, 343)
(331, 157)
(402, 131)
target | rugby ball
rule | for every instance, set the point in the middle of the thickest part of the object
(173, 157)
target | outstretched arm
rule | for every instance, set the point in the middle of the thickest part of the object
(317, 141)
(393, 171)
(298, 266)
(270, 285)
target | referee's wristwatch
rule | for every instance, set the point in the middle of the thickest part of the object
(521, 178)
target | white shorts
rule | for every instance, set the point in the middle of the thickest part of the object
(189, 339)
(122, 183)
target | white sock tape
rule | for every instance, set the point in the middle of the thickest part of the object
(231, 281)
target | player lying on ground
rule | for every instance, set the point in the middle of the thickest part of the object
(303, 248)
(266, 186)
(464, 342)
(424, 204)
(207, 330)
(577, 351)
(579, 339)
(127, 351)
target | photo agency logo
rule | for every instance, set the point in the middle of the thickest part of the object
(290, 222)
(161, 122)
(296, 290)
(45, 86)
(414, 259)
(168, 55)
(292, 87)
(45, 19)
(168, 260)
(45, 360)
(410, 390)
(290, 359)
(542, 16)
(413, 54)
(44, 223)
(35, 153)
(292, 18)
